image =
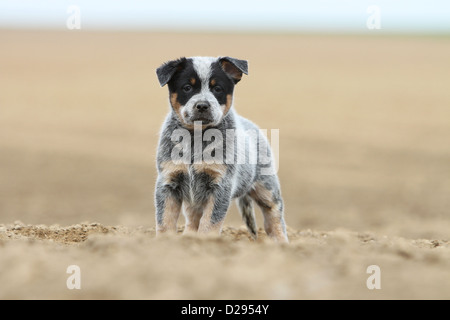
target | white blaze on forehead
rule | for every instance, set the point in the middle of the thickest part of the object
(202, 65)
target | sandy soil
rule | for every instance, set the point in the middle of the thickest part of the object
(131, 263)
(364, 167)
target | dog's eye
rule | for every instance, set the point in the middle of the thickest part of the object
(218, 89)
(187, 88)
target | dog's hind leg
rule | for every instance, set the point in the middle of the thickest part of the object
(271, 204)
(245, 205)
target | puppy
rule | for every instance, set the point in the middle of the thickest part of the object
(201, 107)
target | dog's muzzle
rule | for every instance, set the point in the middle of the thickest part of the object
(202, 112)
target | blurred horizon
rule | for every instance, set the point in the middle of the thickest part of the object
(327, 16)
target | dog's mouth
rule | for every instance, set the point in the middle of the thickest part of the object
(202, 118)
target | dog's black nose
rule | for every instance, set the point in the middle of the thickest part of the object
(202, 106)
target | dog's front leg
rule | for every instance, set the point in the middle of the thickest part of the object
(211, 191)
(214, 212)
(192, 215)
(168, 206)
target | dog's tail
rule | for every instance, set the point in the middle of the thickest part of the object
(245, 204)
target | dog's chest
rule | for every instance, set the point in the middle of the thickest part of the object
(181, 172)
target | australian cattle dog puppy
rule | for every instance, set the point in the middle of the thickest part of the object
(205, 152)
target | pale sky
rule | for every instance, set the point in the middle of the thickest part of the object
(416, 16)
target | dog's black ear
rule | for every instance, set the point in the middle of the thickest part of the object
(168, 69)
(234, 67)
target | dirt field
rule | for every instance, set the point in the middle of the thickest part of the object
(364, 167)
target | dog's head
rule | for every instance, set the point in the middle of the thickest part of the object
(201, 88)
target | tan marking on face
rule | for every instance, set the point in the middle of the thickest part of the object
(206, 226)
(216, 170)
(192, 81)
(175, 104)
(177, 108)
(172, 210)
(213, 82)
(228, 104)
(170, 169)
